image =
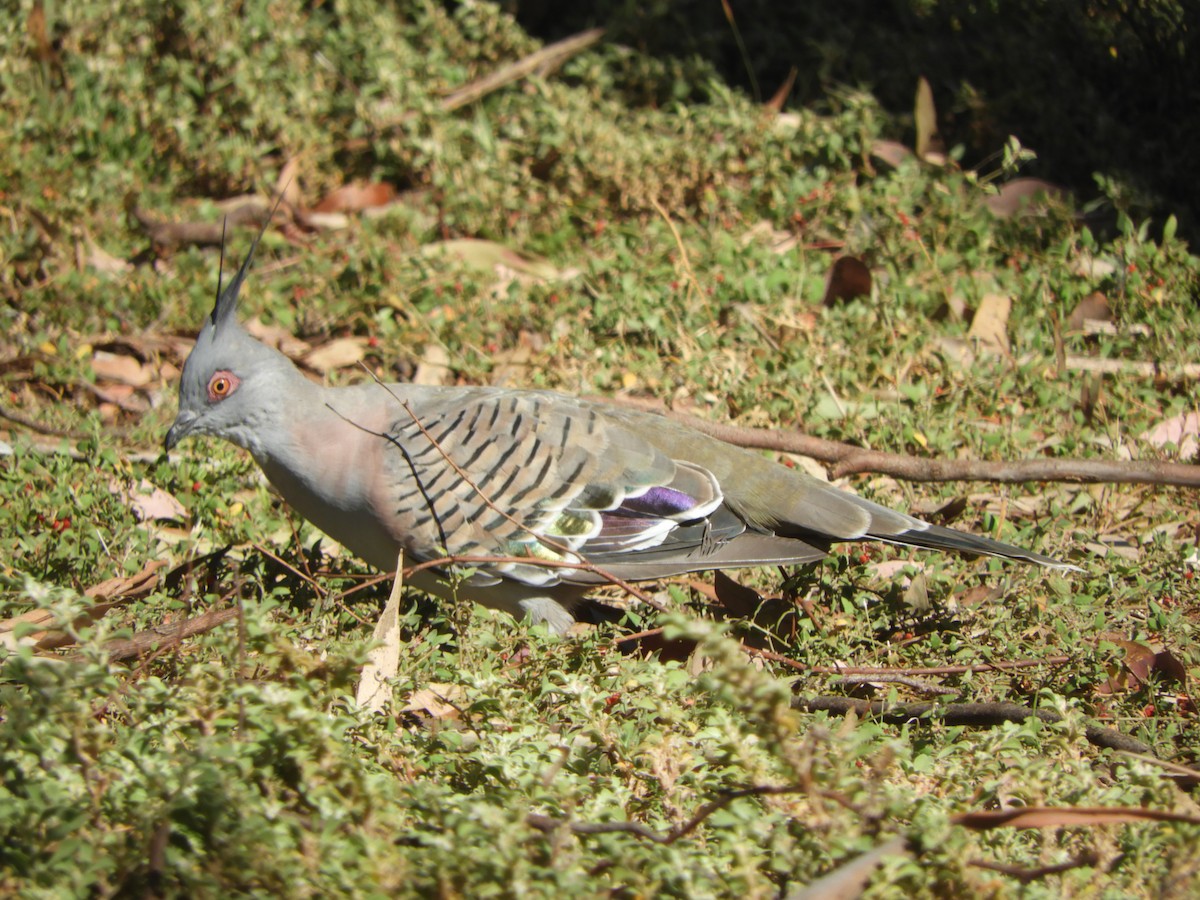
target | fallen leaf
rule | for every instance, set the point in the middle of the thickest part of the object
(124, 396)
(849, 880)
(1024, 195)
(319, 221)
(1182, 432)
(510, 367)
(121, 368)
(437, 701)
(893, 153)
(337, 354)
(383, 660)
(287, 185)
(928, 145)
(278, 337)
(916, 595)
(488, 256)
(149, 503)
(1139, 662)
(128, 587)
(433, 368)
(989, 328)
(356, 196)
(1065, 817)
(978, 595)
(112, 592)
(780, 96)
(1094, 307)
(889, 569)
(100, 260)
(848, 278)
(739, 601)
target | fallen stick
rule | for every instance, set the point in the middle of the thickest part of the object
(846, 459)
(549, 56)
(970, 714)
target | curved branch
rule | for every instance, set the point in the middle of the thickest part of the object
(846, 459)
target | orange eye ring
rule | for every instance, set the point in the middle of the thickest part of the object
(221, 385)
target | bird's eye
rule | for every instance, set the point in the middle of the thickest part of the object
(221, 385)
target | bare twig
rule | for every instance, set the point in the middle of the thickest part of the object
(972, 714)
(204, 234)
(1000, 665)
(33, 425)
(684, 258)
(908, 681)
(166, 636)
(549, 823)
(849, 460)
(1027, 876)
(548, 57)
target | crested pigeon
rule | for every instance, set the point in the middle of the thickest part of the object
(545, 495)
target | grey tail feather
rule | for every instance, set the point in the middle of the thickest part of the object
(935, 537)
(227, 298)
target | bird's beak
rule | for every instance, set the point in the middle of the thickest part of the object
(184, 423)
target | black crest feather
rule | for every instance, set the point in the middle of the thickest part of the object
(227, 297)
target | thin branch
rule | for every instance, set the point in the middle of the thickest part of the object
(971, 714)
(908, 681)
(683, 254)
(1027, 876)
(549, 824)
(33, 425)
(847, 459)
(164, 637)
(1001, 665)
(550, 56)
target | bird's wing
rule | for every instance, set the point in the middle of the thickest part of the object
(790, 504)
(541, 477)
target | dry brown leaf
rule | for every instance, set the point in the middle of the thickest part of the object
(433, 368)
(149, 503)
(510, 367)
(848, 278)
(1065, 817)
(1182, 431)
(383, 661)
(356, 196)
(989, 328)
(319, 221)
(1024, 195)
(121, 368)
(849, 880)
(739, 601)
(112, 592)
(437, 701)
(123, 396)
(100, 260)
(925, 114)
(1139, 662)
(780, 96)
(337, 354)
(1092, 308)
(128, 587)
(488, 256)
(978, 595)
(893, 153)
(287, 185)
(278, 337)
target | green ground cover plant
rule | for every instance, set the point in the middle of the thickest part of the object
(639, 230)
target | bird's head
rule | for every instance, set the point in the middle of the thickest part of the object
(230, 383)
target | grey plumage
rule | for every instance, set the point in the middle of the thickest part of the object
(517, 479)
